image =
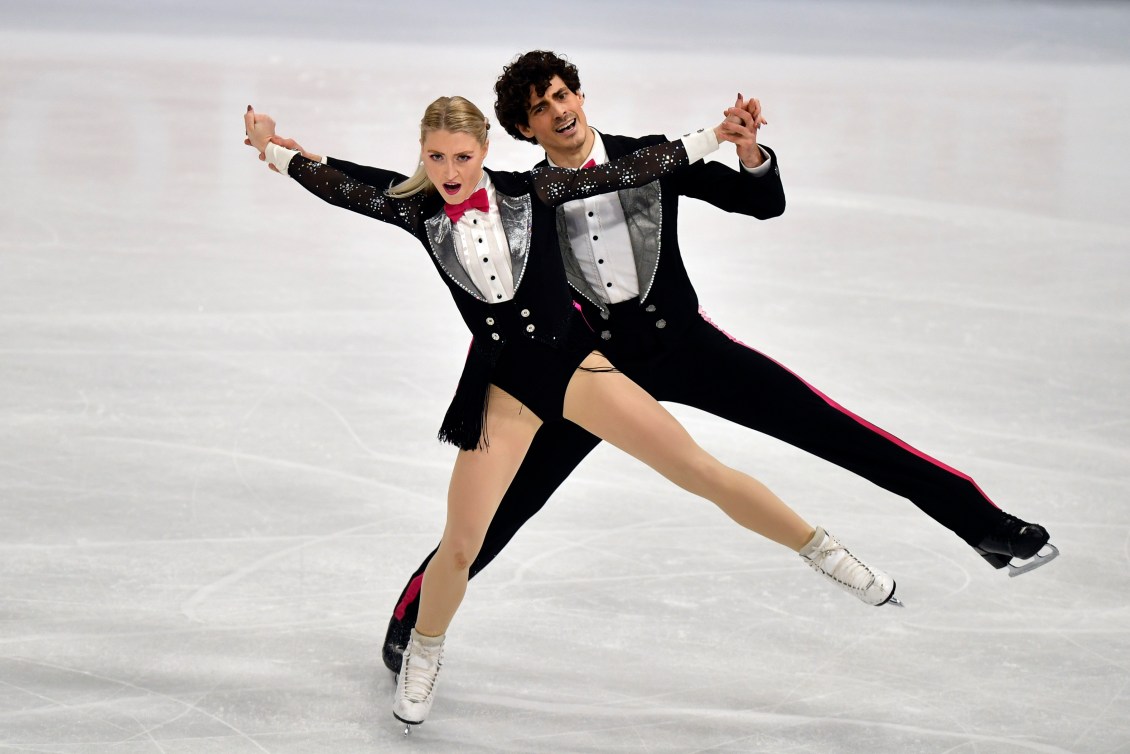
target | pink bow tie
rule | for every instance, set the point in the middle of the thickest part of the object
(589, 164)
(477, 200)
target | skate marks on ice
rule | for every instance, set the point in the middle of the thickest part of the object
(191, 605)
(187, 708)
(610, 720)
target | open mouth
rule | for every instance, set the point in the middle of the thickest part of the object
(569, 127)
(452, 188)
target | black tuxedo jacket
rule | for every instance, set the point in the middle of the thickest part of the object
(652, 214)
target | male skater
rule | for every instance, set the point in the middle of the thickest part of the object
(621, 252)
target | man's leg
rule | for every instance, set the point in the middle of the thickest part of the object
(711, 371)
(557, 449)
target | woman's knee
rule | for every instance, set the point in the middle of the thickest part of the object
(459, 552)
(700, 472)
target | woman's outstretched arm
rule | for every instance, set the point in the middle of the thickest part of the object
(331, 185)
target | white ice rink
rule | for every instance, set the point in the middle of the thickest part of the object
(218, 462)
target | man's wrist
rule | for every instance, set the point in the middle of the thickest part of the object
(762, 167)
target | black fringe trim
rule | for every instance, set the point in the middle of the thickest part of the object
(464, 425)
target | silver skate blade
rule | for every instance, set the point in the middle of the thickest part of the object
(894, 602)
(1047, 554)
(407, 725)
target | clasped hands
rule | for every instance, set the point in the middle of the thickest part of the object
(743, 120)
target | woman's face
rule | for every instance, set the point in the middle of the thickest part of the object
(453, 162)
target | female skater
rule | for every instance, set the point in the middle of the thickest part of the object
(492, 237)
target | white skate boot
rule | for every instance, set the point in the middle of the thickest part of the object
(416, 684)
(828, 557)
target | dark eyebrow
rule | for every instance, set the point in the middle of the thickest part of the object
(546, 96)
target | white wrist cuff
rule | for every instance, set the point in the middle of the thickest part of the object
(699, 144)
(278, 156)
(761, 169)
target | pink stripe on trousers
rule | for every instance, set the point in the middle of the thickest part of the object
(860, 420)
(409, 597)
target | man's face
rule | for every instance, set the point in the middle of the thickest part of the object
(556, 118)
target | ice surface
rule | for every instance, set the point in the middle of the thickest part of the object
(219, 398)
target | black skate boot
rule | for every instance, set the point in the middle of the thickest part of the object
(1013, 538)
(396, 639)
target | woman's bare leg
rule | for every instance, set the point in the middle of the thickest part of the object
(614, 408)
(478, 481)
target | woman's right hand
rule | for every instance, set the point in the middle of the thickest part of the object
(258, 128)
(732, 129)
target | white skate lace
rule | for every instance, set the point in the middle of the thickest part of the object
(836, 561)
(421, 667)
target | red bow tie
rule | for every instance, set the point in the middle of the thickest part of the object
(589, 164)
(477, 200)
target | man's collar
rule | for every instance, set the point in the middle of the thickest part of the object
(597, 153)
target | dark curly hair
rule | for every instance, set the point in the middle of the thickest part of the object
(512, 90)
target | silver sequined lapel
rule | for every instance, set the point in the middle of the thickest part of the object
(442, 243)
(517, 223)
(643, 212)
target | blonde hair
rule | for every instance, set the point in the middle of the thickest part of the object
(454, 114)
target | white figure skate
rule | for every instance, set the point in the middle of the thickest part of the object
(416, 684)
(825, 555)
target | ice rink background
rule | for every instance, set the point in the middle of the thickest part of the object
(219, 397)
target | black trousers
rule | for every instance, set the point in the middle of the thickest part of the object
(703, 367)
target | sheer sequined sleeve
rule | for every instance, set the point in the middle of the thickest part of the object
(332, 186)
(556, 186)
